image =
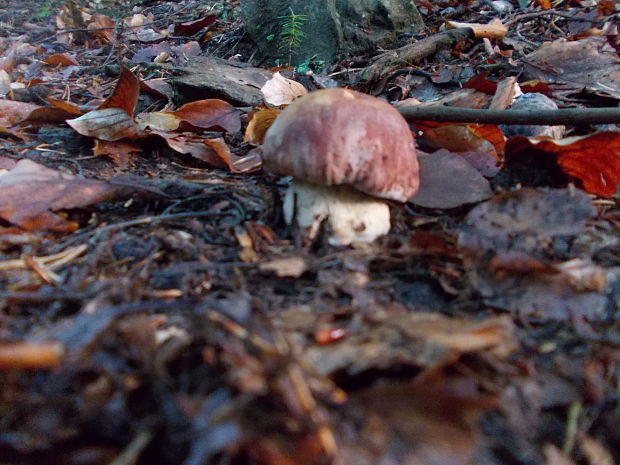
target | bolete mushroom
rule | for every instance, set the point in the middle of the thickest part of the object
(345, 151)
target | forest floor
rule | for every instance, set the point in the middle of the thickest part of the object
(156, 309)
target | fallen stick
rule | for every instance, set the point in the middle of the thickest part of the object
(412, 53)
(564, 116)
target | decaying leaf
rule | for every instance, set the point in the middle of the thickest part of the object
(31, 193)
(505, 245)
(563, 61)
(282, 91)
(438, 171)
(122, 153)
(423, 340)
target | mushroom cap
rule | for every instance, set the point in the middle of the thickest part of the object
(340, 136)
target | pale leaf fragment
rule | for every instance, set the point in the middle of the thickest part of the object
(282, 91)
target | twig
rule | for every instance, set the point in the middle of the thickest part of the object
(569, 116)
(535, 14)
(412, 53)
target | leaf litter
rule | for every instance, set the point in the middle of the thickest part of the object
(154, 307)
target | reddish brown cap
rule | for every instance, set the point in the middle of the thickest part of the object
(339, 136)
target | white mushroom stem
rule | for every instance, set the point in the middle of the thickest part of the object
(351, 215)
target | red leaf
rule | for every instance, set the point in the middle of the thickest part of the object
(593, 159)
(189, 29)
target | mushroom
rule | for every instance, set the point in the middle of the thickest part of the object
(345, 151)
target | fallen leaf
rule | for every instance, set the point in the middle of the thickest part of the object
(210, 114)
(68, 107)
(438, 171)
(191, 28)
(492, 30)
(259, 122)
(504, 244)
(30, 193)
(456, 138)
(423, 340)
(13, 112)
(27, 355)
(125, 94)
(214, 151)
(289, 267)
(122, 153)
(159, 87)
(102, 26)
(593, 159)
(61, 59)
(480, 83)
(563, 61)
(110, 124)
(281, 91)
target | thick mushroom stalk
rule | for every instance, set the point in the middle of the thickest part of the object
(350, 215)
(346, 151)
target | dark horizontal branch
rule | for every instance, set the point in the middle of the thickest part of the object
(569, 116)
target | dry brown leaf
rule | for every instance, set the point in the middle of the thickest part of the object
(110, 124)
(125, 94)
(102, 26)
(122, 153)
(210, 114)
(68, 107)
(282, 91)
(259, 122)
(26, 355)
(563, 61)
(191, 28)
(61, 59)
(12, 112)
(30, 193)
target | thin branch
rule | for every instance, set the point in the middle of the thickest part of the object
(570, 116)
(567, 16)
